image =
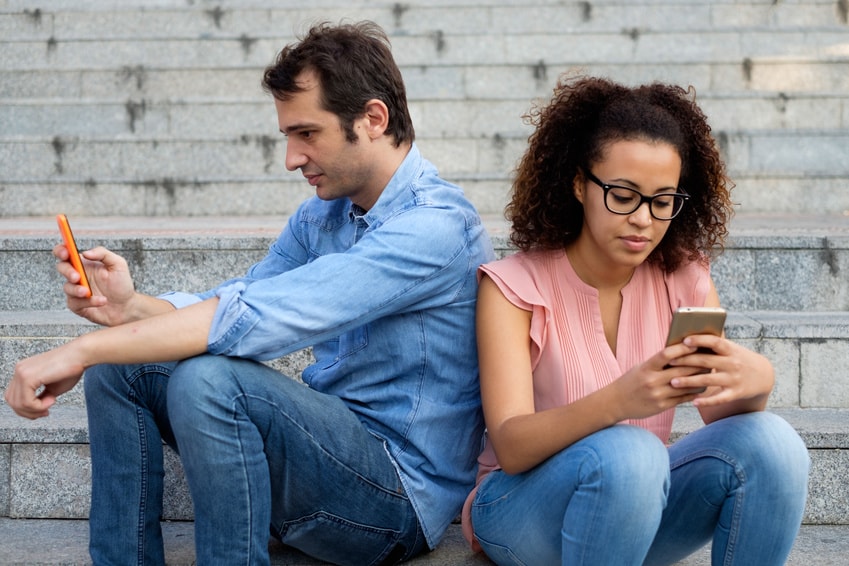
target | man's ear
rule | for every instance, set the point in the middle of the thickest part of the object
(376, 118)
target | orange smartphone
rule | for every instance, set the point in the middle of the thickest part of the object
(73, 252)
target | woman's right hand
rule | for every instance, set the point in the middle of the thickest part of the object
(112, 289)
(646, 390)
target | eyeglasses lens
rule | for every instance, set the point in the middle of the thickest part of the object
(622, 200)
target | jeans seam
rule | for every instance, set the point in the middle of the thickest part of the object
(506, 549)
(706, 453)
(330, 455)
(145, 456)
(143, 488)
(250, 525)
(597, 470)
(733, 528)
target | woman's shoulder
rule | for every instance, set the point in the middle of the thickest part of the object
(691, 271)
(529, 275)
(526, 265)
(689, 284)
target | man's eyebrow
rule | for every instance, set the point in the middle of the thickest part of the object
(298, 127)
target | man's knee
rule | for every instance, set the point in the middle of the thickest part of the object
(95, 378)
(200, 380)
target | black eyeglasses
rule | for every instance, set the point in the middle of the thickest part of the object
(623, 200)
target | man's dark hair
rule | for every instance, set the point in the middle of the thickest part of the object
(353, 64)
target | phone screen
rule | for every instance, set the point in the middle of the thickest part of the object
(73, 252)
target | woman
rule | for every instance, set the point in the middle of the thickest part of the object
(617, 206)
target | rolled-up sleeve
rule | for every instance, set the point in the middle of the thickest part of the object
(410, 262)
(180, 299)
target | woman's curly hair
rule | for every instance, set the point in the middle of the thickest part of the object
(586, 115)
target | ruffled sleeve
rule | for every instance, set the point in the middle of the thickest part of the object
(517, 279)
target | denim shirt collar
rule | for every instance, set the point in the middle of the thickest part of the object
(411, 168)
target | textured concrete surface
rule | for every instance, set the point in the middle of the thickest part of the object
(49, 468)
(809, 350)
(771, 261)
(48, 543)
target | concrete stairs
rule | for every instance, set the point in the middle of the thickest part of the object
(154, 107)
(46, 461)
(145, 123)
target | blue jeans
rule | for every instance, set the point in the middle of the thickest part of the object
(259, 451)
(620, 497)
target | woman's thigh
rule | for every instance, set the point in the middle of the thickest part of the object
(577, 506)
(741, 483)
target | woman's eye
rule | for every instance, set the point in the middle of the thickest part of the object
(623, 196)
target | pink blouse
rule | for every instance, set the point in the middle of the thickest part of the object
(570, 356)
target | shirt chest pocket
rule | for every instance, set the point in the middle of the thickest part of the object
(344, 346)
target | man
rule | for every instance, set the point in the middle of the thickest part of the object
(367, 465)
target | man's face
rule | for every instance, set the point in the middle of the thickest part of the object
(316, 145)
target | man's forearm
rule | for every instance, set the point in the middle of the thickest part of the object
(145, 306)
(174, 334)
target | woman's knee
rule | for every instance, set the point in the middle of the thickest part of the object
(773, 446)
(629, 457)
(761, 449)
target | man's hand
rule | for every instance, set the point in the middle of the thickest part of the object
(113, 299)
(39, 380)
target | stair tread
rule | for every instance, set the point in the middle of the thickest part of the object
(66, 542)
(820, 427)
(169, 226)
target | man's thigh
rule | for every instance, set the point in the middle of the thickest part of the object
(333, 485)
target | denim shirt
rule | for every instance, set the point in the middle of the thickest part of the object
(386, 298)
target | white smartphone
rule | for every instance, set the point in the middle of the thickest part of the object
(695, 320)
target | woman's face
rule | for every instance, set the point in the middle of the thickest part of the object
(626, 240)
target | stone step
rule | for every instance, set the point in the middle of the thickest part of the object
(100, 103)
(771, 262)
(82, 43)
(781, 172)
(63, 542)
(67, 21)
(244, 175)
(141, 119)
(468, 83)
(809, 351)
(768, 193)
(48, 468)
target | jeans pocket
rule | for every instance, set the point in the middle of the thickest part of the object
(501, 555)
(337, 540)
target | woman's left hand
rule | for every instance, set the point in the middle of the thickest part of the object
(737, 375)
